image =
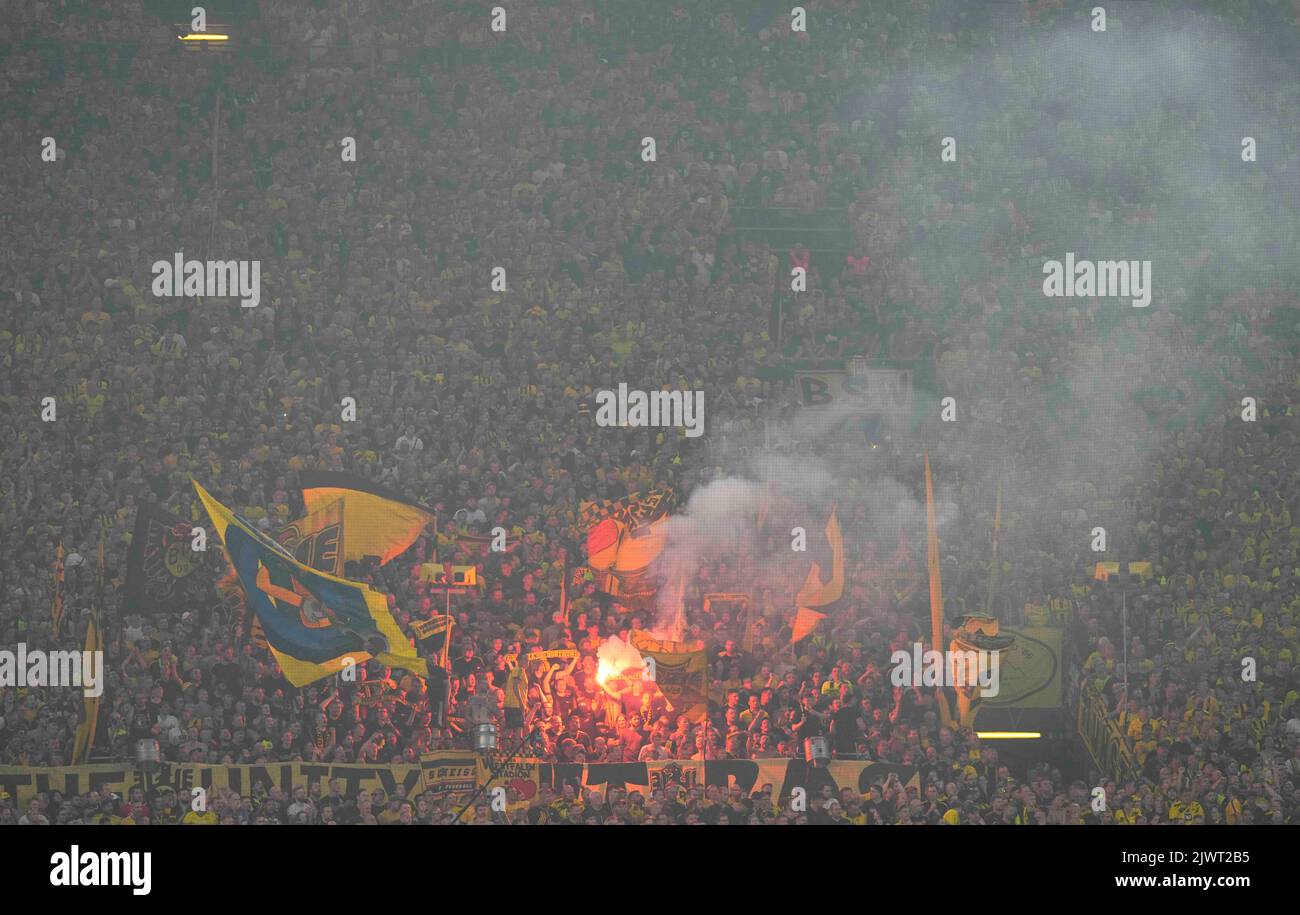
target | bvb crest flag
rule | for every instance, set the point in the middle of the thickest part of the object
(681, 672)
(312, 621)
(378, 522)
(163, 571)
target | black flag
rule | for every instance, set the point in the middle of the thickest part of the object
(164, 573)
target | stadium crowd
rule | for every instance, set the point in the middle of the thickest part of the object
(523, 150)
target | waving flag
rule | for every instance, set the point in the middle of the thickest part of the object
(312, 621)
(632, 511)
(805, 621)
(317, 540)
(818, 593)
(83, 739)
(378, 522)
(624, 537)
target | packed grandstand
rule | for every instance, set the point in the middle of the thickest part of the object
(1163, 664)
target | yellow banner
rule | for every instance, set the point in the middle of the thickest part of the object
(454, 774)
(750, 775)
(120, 778)
(450, 772)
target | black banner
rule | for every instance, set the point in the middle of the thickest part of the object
(164, 573)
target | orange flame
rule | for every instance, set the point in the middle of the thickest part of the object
(616, 658)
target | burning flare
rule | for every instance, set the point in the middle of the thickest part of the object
(616, 658)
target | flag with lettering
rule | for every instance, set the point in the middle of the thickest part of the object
(377, 522)
(317, 540)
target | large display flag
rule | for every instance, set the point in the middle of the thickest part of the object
(317, 540)
(378, 522)
(164, 572)
(624, 537)
(640, 547)
(313, 621)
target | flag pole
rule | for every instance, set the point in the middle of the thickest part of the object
(487, 761)
(56, 610)
(936, 572)
(446, 639)
(936, 585)
(564, 588)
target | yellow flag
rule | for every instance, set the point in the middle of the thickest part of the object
(84, 736)
(814, 592)
(805, 621)
(936, 577)
(318, 539)
(377, 522)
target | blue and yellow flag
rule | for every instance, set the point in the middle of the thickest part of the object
(313, 621)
